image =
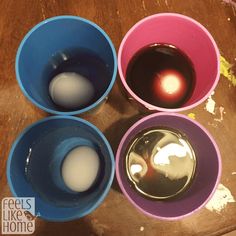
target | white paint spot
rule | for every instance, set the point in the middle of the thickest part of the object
(233, 173)
(99, 228)
(212, 124)
(144, 6)
(228, 19)
(230, 2)
(222, 112)
(210, 104)
(141, 228)
(220, 199)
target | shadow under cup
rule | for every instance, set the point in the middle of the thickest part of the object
(34, 167)
(62, 36)
(187, 35)
(207, 173)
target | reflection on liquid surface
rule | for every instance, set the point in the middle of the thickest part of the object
(160, 163)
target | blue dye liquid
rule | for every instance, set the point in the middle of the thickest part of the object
(43, 164)
(84, 62)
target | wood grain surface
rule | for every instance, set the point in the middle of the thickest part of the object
(116, 216)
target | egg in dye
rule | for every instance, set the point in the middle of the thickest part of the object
(80, 168)
(71, 90)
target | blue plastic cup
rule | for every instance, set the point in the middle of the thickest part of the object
(35, 161)
(52, 37)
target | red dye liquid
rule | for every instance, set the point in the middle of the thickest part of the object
(161, 75)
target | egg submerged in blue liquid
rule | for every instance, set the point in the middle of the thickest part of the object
(80, 168)
(71, 90)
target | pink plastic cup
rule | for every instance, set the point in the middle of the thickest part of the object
(186, 34)
(207, 175)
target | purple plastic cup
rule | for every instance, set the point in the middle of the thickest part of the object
(207, 175)
(187, 35)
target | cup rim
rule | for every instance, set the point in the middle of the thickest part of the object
(53, 111)
(119, 150)
(146, 104)
(111, 157)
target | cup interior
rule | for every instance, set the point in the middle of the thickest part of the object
(208, 168)
(62, 36)
(48, 141)
(184, 33)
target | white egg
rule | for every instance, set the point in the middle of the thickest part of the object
(71, 90)
(80, 168)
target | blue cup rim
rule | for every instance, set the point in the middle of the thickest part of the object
(111, 157)
(52, 111)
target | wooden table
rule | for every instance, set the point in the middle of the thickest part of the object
(116, 216)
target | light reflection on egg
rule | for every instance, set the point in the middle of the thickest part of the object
(170, 86)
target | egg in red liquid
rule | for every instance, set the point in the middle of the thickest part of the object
(161, 75)
(169, 86)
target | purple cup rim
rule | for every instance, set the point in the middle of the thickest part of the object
(123, 140)
(156, 108)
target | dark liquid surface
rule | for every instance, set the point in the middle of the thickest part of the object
(160, 163)
(84, 62)
(145, 69)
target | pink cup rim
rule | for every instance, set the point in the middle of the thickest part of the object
(122, 142)
(148, 105)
